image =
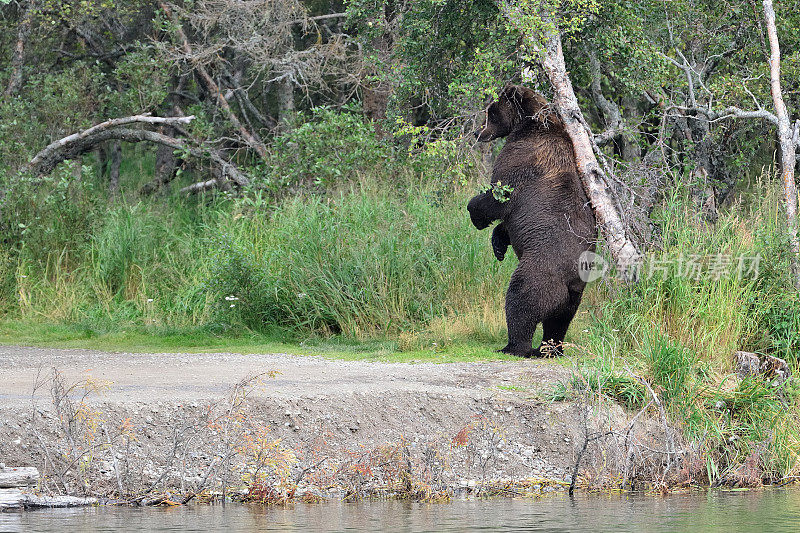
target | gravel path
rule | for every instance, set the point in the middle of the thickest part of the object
(141, 377)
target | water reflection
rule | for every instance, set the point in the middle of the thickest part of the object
(757, 511)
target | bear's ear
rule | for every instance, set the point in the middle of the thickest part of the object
(512, 98)
(535, 107)
(513, 92)
(542, 111)
(516, 96)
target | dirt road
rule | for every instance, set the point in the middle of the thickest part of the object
(138, 377)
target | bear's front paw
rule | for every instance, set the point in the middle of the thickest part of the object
(478, 213)
(478, 221)
(500, 241)
(499, 250)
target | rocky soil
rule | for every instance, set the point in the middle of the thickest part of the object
(271, 427)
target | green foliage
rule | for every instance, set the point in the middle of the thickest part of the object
(127, 240)
(363, 236)
(670, 365)
(314, 264)
(328, 148)
(452, 53)
(38, 116)
(141, 81)
(8, 285)
(500, 192)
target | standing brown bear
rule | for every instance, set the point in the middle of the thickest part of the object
(546, 218)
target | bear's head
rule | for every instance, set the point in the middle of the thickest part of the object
(517, 109)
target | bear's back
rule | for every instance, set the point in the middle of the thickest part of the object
(548, 212)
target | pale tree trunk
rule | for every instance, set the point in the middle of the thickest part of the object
(375, 94)
(77, 169)
(116, 163)
(101, 153)
(630, 148)
(786, 138)
(284, 92)
(18, 56)
(607, 210)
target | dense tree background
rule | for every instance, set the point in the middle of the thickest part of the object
(652, 77)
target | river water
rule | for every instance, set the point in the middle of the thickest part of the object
(742, 512)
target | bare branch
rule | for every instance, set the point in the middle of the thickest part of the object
(245, 103)
(42, 162)
(321, 17)
(728, 112)
(200, 186)
(214, 89)
(46, 160)
(609, 109)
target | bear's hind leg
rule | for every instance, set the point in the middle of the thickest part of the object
(530, 298)
(554, 329)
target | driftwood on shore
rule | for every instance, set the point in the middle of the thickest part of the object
(16, 499)
(13, 480)
(18, 477)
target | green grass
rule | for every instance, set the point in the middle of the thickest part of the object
(200, 340)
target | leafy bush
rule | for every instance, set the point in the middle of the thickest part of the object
(328, 148)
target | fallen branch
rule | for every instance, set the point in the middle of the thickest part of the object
(200, 186)
(23, 476)
(321, 17)
(72, 145)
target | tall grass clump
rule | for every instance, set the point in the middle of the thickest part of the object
(358, 263)
(677, 328)
(713, 288)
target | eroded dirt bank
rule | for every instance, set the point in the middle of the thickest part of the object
(150, 427)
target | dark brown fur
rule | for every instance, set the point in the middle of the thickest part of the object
(547, 220)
